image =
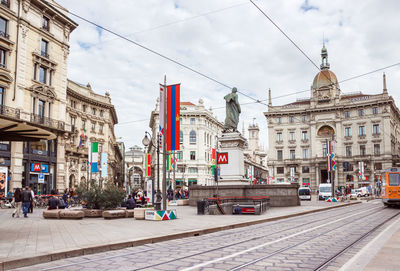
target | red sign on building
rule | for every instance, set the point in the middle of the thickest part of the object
(222, 158)
(37, 167)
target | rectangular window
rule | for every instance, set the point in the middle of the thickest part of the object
(360, 112)
(192, 121)
(44, 48)
(2, 58)
(377, 149)
(362, 150)
(349, 151)
(394, 179)
(279, 137)
(179, 156)
(347, 131)
(305, 154)
(100, 128)
(73, 120)
(280, 170)
(304, 118)
(42, 75)
(292, 136)
(83, 125)
(279, 155)
(304, 135)
(279, 120)
(192, 155)
(375, 129)
(101, 113)
(93, 127)
(291, 119)
(292, 154)
(1, 96)
(3, 27)
(306, 169)
(375, 110)
(192, 170)
(361, 130)
(45, 23)
(347, 114)
(378, 166)
(324, 153)
(93, 111)
(41, 108)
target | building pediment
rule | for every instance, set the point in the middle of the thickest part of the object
(44, 90)
(5, 77)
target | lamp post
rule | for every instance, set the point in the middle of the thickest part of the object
(146, 142)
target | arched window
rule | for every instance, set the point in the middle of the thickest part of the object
(192, 137)
(181, 137)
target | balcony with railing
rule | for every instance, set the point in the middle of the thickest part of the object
(48, 122)
(4, 35)
(9, 112)
(44, 54)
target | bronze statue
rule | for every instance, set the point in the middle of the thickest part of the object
(232, 111)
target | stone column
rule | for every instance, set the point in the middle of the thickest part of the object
(317, 175)
(61, 165)
(16, 167)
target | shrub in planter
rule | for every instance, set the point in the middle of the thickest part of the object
(90, 192)
(111, 196)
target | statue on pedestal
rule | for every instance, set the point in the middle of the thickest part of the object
(232, 111)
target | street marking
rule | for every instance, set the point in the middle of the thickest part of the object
(272, 242)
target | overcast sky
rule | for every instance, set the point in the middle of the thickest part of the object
(232, 42)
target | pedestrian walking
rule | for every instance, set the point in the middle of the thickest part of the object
(33, 196)
(26, 200)
(17, 202)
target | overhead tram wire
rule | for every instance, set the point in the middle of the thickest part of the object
(159, 54)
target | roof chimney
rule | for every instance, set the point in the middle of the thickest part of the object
(269, 98)
(384, 84)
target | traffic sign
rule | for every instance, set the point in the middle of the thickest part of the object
(41, 178)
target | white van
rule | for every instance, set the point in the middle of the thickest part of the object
(305, 193)
(325, 190)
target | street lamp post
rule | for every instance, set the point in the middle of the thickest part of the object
(146, 142)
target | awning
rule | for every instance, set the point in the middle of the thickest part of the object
(192, 181)
(21, 131)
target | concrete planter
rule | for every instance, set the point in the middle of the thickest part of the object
(111, 214)
(139, 213)
(182, 202)
(93, 212)
(51, 214)
(160, 215)
(71, 214)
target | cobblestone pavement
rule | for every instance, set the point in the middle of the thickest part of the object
(299, 243)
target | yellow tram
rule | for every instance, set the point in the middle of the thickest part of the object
(391, 187)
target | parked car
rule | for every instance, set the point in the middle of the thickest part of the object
(305, 193)
(325, 190)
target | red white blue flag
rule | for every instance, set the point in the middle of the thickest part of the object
(328, 155)
(173, 117)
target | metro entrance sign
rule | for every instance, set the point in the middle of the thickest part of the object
(222, 158)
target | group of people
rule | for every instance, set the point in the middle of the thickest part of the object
(23, 199)
(179, 194)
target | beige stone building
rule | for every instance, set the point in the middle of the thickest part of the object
(255, 157)
(92, 118)
(364, 128)
(34, 48)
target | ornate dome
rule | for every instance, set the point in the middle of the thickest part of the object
(324, 78)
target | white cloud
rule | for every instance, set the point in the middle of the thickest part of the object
(237, 46)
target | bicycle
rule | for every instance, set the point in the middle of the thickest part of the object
(6, 203)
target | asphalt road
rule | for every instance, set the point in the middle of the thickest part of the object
(320, 241)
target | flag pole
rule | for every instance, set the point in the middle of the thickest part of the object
(173, 177)
(164, 183)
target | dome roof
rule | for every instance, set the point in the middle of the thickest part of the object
(324, 78)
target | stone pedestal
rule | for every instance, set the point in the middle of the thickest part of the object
(232, 172)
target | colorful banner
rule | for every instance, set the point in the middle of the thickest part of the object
(173, 117)
(95, 157)
(213, 160)
(162, 114)
(149, 186)
(328, 156)
(148, 165)
(4, 179)
(104, 162)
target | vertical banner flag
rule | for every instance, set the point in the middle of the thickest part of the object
(104, 157)
(95, 157)
(292, 174)
(173, 117)
(328, 156)
(162, 114)
(361, 171)
(169, 161)
(213, 161)
(148, 165)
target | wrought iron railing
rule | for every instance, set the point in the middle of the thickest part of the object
(48, 122)
(10, 112)
(44, 54)
(4, 34)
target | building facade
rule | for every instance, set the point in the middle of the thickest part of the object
(92, 118)
(135, 168)
(199, 132)
(34, 48)
(362, 128)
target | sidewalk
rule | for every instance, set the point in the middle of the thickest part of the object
(36, 240)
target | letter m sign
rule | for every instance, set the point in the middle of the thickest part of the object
(222, 158)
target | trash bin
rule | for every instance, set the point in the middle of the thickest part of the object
(201, 206)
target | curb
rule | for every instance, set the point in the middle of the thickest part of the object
(28, 261)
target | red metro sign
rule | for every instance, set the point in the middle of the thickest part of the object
(222, 158)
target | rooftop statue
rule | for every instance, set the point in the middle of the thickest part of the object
(232, 111)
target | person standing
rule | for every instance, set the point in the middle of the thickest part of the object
(26, 200)
(31, 205)
(65, 198)
(17, 202)
(131, 203)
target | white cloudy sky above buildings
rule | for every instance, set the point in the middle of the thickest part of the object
(232, 42)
